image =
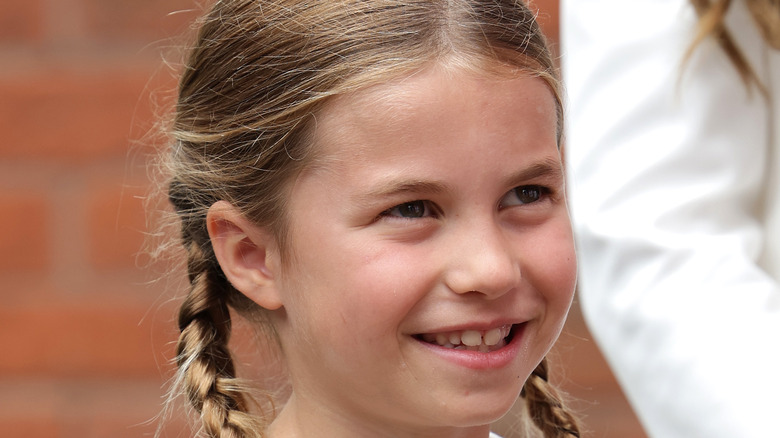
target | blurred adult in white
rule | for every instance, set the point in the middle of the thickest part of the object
(673, 149)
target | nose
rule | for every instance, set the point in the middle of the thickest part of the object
(481, 260)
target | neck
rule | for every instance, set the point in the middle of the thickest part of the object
(301, 419)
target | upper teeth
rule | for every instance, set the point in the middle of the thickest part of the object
(469, 338)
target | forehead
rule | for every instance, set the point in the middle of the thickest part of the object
(422, 103)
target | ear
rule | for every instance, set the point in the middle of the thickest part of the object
(247, 254)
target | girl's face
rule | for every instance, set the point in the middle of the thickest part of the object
(431, 257)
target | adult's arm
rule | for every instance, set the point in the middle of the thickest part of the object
(667, 171)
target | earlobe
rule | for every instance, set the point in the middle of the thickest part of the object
(247, 254)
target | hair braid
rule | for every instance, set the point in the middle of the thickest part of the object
(206, 371)
(546, 407)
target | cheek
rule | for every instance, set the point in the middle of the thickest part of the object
(555, 268)
(353, 287)
(386, 284)
(554, 274)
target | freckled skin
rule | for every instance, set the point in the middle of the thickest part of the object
(365, 280)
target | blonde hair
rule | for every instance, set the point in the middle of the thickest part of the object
(257, 74)
(712, 14)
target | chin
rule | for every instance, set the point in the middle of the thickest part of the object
(481, 411)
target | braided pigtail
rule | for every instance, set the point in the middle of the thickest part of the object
(546, 408)
(206, 370)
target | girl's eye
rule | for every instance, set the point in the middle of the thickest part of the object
(528, 194)
(410, 210)
(524, 195)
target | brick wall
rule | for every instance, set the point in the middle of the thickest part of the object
(85, 336)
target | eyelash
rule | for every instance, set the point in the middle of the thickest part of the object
(541, 193)
(427, 208)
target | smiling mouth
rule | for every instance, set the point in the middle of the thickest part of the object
(483, 341)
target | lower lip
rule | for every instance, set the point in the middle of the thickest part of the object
(477, 360)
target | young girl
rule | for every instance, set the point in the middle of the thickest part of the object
(378, 183)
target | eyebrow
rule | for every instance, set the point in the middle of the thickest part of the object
(547, 168)
(397, 188)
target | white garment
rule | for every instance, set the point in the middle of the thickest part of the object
(673, 183)
(493, 435)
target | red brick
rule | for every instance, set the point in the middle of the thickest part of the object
(24, 232)
(84, 339)
(116, 224)
(579, 369)
(145, 20)
(83, 408)
(72, 116)
(548, 17)
(21, 21)
(31, 427)
(578, 357)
